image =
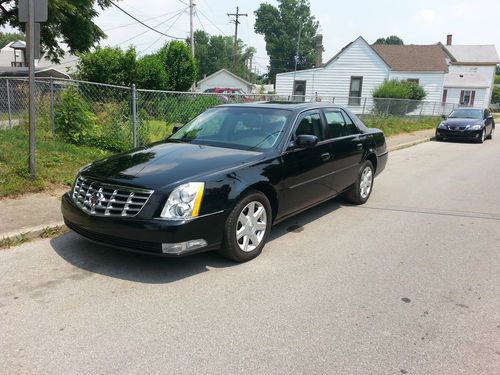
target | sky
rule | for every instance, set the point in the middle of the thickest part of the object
(416, 22)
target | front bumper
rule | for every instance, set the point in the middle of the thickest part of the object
(459, 134)
(144, 235)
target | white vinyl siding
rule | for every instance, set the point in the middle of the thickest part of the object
(454, 96)
(431, 82)
(358, 60)
(223, 80)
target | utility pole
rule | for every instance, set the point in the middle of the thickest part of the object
(31, 86)
(250, 68)
(236, 23)
(296, 60)
(191, 11)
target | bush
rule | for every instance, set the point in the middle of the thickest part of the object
(495, 97)
(396, 89)
(74, 121)
(497, 80)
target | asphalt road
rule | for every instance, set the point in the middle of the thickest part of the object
(407, 284)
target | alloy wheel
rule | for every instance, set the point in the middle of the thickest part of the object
(366, 181)
(251, 226)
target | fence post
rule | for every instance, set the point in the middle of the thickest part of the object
(8, 102)
(134, 115)
(364, 105)
(52, 123)
(421, 108)
(434, 108)
(388, 105)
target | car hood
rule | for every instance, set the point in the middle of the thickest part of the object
(461, 121)
(163, 164)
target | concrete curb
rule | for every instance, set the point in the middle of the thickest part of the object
(410, 144)
(27, 234)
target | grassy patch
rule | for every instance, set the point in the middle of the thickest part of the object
(158, 130)
(6, 243)
(392, 125)
(56, 162)
(51, 232)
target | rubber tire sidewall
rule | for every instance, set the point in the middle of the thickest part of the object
(230, 248)
(354, 194)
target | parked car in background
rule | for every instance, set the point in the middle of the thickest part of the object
(222, 180)
(467, 124)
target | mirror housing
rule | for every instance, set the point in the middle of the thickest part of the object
(176, 128)
(444, 117)
(306, 141)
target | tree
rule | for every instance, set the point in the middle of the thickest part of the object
(151, 73)
(6, 38)
(108, 65)
(179, 64)
(495, 97)
(393, 39)
(214, 52)
(280, 27)
(69, 21)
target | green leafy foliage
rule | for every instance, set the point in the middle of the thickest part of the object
(151, 73)
(497, 79)
(69, 21)
(389, 91)
(6, 38)
(280, 27)
(495, 97)
(179, 64)
(108, 65)
(393, 39)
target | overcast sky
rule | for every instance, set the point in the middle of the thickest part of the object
(416, 22)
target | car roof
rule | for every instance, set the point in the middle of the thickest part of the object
(294, 106)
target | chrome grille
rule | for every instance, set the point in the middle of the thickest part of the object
(100, 199)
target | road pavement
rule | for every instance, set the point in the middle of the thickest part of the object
(407, 284)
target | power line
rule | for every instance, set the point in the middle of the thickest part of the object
(213, 24)
(142, 23)
(178, 15)
(147, 19)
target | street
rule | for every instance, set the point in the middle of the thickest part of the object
(409, 283)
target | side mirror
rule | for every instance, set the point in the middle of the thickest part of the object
(176, 128)
(306, 141)
(444, 117)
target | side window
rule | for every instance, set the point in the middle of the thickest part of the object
(338, 124)
(310, 124)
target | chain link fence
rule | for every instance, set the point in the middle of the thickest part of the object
(116, 118)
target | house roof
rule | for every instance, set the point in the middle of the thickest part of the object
(227, 72)
(474, 54)
(412, 58)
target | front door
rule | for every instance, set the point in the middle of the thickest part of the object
(306, 171)
(299, 91)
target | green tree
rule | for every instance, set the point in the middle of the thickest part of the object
(6, 38)
(389, 94)
(393, 39)
(495, 97)
(179, 64)
(69, 21)
(108, 65)
(280, 27)
(151, 73)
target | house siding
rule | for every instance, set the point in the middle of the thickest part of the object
(431, 82)
(485, 77)
(358, 60)
(453, 96)
(223, 80)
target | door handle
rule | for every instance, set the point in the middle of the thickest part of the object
(326, 156)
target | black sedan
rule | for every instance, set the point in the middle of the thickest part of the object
(467, 124)
(223, 179)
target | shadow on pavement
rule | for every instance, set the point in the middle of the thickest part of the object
(151, 269)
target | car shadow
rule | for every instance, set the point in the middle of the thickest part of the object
(150, 269)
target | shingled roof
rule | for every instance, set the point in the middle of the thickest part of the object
(412, 58)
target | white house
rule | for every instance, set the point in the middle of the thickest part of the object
(351, 76)
(471, 74)
(224, 79)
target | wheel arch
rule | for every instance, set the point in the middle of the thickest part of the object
(268, 190)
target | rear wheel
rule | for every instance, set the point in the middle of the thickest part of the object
(247, 228)
(363, 186)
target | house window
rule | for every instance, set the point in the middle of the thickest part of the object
(414, 80)
(299, 90)
(445, 95)
(355, 90)
(467, 97)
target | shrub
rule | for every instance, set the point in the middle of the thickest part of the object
(74, 121)
(495, 97)
(396, 89)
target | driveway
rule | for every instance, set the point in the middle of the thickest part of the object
(406, 284)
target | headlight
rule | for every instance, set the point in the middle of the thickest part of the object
(442, 126)
(475, 127)
(184, 202)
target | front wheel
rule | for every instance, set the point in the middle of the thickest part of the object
(491, 133)
(363, 186)
(247, 228)
(483, 136)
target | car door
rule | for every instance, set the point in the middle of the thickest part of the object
(346, 144)
(306, 171)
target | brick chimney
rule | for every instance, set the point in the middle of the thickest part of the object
(318, 47)
(449, 38)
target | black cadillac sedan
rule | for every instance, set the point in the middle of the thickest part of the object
(467, 124)
(222, 180)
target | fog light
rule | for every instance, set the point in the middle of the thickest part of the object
(181, 247)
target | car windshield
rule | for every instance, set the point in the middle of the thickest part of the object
(244, 128)
(467, 113)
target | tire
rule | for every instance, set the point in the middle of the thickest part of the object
(483, 137)
(244, 248)
(439, 139)
(361, 190)
(491, 134)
